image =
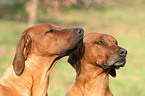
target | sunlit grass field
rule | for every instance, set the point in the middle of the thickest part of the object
(126, 23)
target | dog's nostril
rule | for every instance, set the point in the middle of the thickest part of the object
(122, 52)
(79, 31)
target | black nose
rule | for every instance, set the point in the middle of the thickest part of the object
(122, 52)
(79, 31)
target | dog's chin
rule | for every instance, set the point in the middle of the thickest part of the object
(116, 65)
(111, 68)
(70, 50)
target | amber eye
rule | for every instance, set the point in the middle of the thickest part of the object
(51, 31)
(99, 42)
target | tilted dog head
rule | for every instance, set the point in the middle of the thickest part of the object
(100, 50)
(45, 40)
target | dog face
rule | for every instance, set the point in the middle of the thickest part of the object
(52, 40)
(46, 40)
(103, 51)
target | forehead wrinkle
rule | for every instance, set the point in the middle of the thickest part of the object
(98, 38)
(104, 37)
(111, 40)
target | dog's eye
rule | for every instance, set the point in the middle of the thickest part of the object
(51, 31)
(116, 43)
(99, 42)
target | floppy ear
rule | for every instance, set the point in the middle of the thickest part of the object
(75, 59)
(23, 48)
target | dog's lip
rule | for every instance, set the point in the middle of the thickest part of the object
(113, 67)
(120, 63)
(66, 52)
(117, 64)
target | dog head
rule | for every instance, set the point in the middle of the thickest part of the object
(103, 51)
(45, 40)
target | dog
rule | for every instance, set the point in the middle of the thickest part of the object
(38, 50)
(98, 57)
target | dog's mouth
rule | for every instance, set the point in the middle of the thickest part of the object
(117, 65)
(70, 50)
(112, 69)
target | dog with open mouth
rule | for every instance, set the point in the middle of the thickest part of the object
(98, 57)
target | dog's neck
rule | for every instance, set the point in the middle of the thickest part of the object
(92, 81)
(34, 79)
(40, 72)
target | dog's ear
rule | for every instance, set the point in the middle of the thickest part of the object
(23, 48)
(75, 59)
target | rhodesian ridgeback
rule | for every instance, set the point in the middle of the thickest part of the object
(39, 48)
(94, 61)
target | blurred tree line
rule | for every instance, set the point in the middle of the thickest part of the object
(27, 9)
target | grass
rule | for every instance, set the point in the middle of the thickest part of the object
(125, 23)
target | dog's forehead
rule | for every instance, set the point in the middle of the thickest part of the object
(46, 26)
(107, 37)
(94, 37)
(38, 29)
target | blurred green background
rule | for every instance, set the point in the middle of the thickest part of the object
(125, 20)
